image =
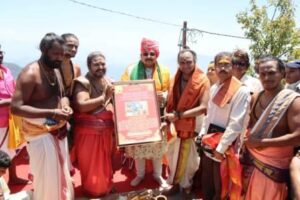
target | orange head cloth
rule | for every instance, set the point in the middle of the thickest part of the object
(148, 45)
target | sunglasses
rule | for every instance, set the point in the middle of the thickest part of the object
(147, 54)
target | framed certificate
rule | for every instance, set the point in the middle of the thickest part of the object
(137, 118)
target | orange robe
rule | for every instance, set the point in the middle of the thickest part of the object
(93, 149)
(262, 187)
(265, 171)
(182, 155)
(187, 99)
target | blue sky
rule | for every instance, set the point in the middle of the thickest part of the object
(24, 23)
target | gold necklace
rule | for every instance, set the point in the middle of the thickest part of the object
(47, 75)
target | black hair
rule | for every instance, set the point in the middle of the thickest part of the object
(93, 55)
(5, 160)
(48, 40)
(221, 55)
(240, 55)
(266, 58)
(187, 50)
(68, 35)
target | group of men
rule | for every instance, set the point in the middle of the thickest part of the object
(247, 137)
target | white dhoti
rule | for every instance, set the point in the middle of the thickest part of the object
(66, 154)
(182, 170)
(49, 167)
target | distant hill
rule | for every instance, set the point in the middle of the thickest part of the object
(14, 68)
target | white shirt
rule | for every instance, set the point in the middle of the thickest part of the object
(294, 86)
(234, 116)
(254, 84)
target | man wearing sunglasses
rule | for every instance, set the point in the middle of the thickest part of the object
(149, 68)
(240, 65)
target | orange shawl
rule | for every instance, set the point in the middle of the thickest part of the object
(32, 129)
(226, 92)
(15, 138)
(187, 99)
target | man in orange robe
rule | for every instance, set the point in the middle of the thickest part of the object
(188, 97)
(275, 130)
(94, 127)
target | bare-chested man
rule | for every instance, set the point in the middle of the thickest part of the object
(69, 70)
(274, 131)
(39, 99)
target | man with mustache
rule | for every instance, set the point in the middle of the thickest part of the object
(40, 100)
(187, 99)
(274, 130)
(68, 69)
(226, 120)
(149, 68)
(94, 127)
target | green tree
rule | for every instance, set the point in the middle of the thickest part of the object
(271, 28)
(296, 54)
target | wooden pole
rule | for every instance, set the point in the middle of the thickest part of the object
(184, 30)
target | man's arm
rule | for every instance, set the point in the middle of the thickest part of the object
(65, 105)
(77, 71)
(83, 101)
(23, 93)
(5, 102)
(238, 119)
(295, 176)
(290, 139)
(201, 109)
(20, 104)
